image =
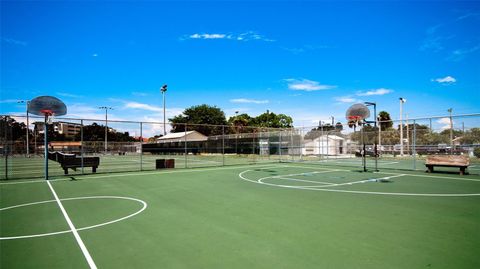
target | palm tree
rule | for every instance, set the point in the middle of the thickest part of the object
(384, 120)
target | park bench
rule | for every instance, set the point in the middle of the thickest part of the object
(459, 161)
(73, 162)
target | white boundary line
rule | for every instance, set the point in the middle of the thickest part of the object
(84, 249)
(78, 229)
(300, 180)
(140, 173)
(319, 188)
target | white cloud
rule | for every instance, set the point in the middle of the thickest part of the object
(9, 101)
(248, 101)
(14, 41)
(142, 94)
(459, 54)
(380, 91)
(307, 85)
(136, 105)
(207, 36)
(346, 99)
(445, 123)
(246, 36)
(64, 94)
(445, 80)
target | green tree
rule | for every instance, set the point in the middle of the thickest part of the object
(201, 118)
(385, 120)
(471, 136)
(11, 130)
(240, 123)
(272, 120)
(96, 132)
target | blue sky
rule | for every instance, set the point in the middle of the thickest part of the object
(309, 60)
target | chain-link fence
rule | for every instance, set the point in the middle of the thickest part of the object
(81, 146)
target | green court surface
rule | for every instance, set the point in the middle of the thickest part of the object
(272, 215)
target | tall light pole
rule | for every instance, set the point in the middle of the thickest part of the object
(450, 110)
(163, 90)
(27, 103)
(106, 125)
(402, 101)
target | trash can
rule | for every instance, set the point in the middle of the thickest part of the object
(170, 163)
(160, 163)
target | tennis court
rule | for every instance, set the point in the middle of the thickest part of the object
(270, 215)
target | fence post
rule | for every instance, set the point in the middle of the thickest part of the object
(279, 146)
(81, 145)
(141, 146)
(186, 152)
(414, 146)
(223, 145)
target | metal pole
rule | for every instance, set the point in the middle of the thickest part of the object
(376, 143)
(106, 130)
(163, 90)
(45, 144)
(320, 143)
(280, 145)
(408, 134)
(414, 149)
(81, 143)
(401, 127)
(28, 125)
(185, 140)
(364, 160)
(141, 146)
(223, 145)
(451, 130)
(164, 116)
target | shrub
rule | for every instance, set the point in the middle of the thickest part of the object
(476, 152)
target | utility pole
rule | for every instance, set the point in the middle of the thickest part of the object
(27, 102)
(402, 101)
(408, 133)
(106, 126)
(451, 127)
(163, 90)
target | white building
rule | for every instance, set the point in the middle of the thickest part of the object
(324, 145)
(182, 137)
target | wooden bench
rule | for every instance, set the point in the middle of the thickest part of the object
(73, 162)
(459, 161)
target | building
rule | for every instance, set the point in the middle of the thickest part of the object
(189, 136)
(324, 145)
(68, 128)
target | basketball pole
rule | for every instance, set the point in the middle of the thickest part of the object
(45, 132)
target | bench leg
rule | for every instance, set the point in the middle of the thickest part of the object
(65, 170)
(429, 169)
(462, 171)
(94, 169)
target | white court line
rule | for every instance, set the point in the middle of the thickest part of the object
(361, 181)
(360, 192)
(78, 229)
(84, 249)
(303, 180)
(126, 174)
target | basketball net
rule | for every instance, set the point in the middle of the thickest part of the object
(355, 119)
(48, 115)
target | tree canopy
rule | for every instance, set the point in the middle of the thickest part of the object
(200, 118)
(385, 120)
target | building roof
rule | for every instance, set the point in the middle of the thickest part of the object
(180, 135)
(175, 135)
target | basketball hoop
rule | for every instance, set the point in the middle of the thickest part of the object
(47, 106)
(355, 119)
(357, 113)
